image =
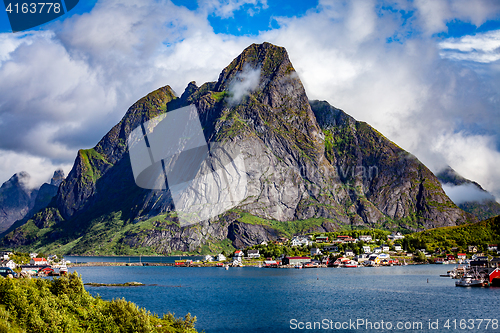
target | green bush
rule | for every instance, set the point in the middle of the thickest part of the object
(63, 305)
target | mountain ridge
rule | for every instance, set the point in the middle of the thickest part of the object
(484, 207)
(296, 154)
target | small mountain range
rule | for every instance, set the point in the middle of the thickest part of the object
(308, 165)
(476, 200)
(19, 201)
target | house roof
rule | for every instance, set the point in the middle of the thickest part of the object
(253, 251)
(238, 252)
(39, 259)
(461, 254)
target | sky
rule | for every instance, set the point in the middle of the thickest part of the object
(425, 73)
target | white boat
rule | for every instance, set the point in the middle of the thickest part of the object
(351, 264)
(63, 269)
(472, 279)
(468, 281)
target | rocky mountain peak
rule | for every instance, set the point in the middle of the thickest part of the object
(57, 178)
(270, 60)
(16, 199)
(20, 179)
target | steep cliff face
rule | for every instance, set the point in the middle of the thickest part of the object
(385, 182)
(308, 166)
(16, 199)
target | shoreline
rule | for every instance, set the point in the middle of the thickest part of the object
(200, 265)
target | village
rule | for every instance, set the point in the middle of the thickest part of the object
(315, 251)
(14, 264)
(305, 251)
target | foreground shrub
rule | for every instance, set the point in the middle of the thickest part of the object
(63, 305)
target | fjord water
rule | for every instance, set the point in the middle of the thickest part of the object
(252, 299)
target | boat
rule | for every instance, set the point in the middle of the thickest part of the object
(469, 280)
(298, 266)
(63, 270)
(450, 274)
(351, 264)
(476, 275)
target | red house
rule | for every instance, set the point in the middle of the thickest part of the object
(38, 261)
(450, 257)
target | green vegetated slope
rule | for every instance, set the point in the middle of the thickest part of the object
(479, 234)
(481, 209)
(63, 305)
(311, 168)
(112, 235)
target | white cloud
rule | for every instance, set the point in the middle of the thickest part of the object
(466, 193)
(473, 156)
(226, 8)
(483, 47)
(39, 169)
(243, 83)
(434, 14)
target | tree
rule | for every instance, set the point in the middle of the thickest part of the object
(420, 257)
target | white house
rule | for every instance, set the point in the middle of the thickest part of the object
(38, 261)
(8, 263)
(253, 254)
(377, 250)
(385, 248)
(366, 249)
(208, 258)
(300, 240)
(221, 257)
(398, 247)
(396, 236)
(492, 247)
(315, 252)
(33, 255)
(365, 238)
(238, 255)
(349, 253)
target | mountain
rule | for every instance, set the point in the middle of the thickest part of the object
(475, 199)
(295, 166)
(23, 202)
(16, 199)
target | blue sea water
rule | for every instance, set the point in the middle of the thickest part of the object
(251, 299)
